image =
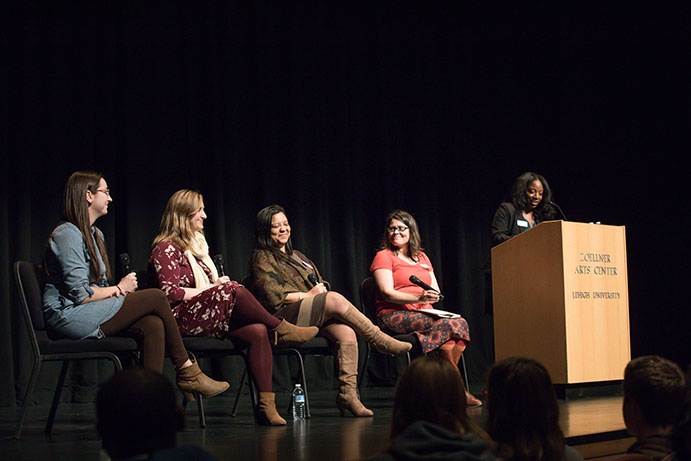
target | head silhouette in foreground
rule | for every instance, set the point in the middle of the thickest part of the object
(429, 416)
(138, 414)
(655, 399)
(522, 412)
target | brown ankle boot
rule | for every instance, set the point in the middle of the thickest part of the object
(191, 379)
(265, 412)
(288, 334)
(379, 340)
(347, 398)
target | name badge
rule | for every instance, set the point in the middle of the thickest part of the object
(521, 223)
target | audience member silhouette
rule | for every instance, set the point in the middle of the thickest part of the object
(656, 408)
(138, 418)
(429, 416)
(522, 413)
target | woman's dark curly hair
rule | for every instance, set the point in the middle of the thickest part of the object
(544, 210)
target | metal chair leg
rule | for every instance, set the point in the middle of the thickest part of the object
(56, 397)
(234, 412)
(363, 368)
(27, 397)
(301, 363)
(303, 381)
(465, 373)
(200, 410)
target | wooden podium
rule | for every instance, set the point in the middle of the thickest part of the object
(561, 297)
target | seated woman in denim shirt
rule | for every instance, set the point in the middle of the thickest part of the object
(79, 302)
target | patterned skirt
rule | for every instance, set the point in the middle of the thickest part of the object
(432, 332)
(207, 314)
(305, 313)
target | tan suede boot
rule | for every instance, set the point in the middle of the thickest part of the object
(347, 398)
(265, 412)
(372, 334)
(288, 334)
(191, 379)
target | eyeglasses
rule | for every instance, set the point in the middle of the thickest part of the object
(105, 191)
(393, 229)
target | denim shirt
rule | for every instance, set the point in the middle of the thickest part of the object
(67, 266)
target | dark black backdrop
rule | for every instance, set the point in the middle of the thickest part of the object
(341, 114)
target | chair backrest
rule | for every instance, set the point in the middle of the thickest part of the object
(30, 288)
(368, 297)
(29, 280)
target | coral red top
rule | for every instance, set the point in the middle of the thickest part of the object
(401, 271)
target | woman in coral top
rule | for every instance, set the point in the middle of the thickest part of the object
(400, 256)
(205, 304)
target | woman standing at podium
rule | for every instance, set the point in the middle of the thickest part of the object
(528, 205)
(401, 256)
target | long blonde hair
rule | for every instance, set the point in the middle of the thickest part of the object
(175, 223)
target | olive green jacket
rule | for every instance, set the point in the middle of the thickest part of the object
(274, 274)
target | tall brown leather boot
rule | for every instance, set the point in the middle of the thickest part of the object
(265, 412)
(379, 340)
(347, 398)
(288, 334)
(450, 355)
(191, 379)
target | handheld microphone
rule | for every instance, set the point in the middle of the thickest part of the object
(313, 279)
(125, 263)
(558, 209)
(218, 261)
(422, 284)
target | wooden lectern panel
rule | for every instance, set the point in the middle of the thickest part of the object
(597, 302)
(560, 296)
(526, 284)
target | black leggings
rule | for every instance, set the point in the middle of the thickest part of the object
(146, 316)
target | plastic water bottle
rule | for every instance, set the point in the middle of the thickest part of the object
(298, 403)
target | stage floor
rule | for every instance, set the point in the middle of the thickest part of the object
(594, 426)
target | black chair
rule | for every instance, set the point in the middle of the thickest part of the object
(368, 295)
(199, 347)
(29, 281)
(317, 346)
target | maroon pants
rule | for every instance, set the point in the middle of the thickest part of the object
(248, 324)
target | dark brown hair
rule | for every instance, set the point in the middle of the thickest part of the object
(658, 386)
(522, 411)
(137, 413)
(262, 231)
(76, 211)
(431, 389)
(414, 242)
